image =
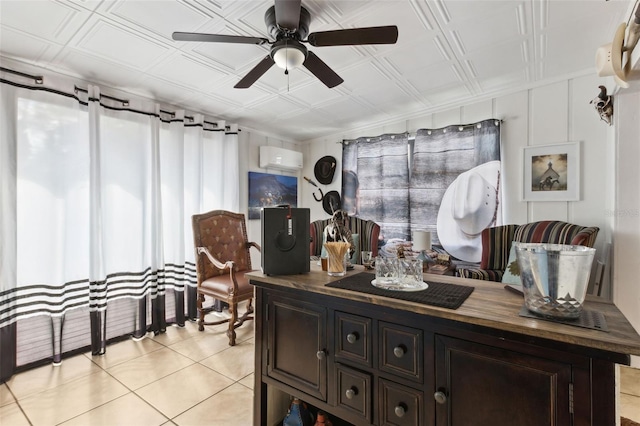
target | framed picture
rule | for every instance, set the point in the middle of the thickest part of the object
(269, 190)
(551, 172)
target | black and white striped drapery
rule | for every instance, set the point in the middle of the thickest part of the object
(97, 199)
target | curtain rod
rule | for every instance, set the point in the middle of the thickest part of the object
(191, 118)
(124, 102)
(38, 79)
(412, 136)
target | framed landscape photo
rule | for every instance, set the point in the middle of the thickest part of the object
(551, 172)
(269, 190)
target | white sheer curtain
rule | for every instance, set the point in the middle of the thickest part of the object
(97, 203)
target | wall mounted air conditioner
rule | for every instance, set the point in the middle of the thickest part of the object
(280, 158)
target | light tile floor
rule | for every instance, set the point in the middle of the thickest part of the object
(182, 377)
(630, 393)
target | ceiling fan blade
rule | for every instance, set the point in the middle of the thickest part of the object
(288, 14)
(321, 70)
(355, 36)
(218, 38)
(257, 72)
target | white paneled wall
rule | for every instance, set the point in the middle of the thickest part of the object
(626, 214)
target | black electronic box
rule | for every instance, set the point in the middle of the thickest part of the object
(285, 240)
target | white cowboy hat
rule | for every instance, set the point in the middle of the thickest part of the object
(469, 205)
(609, 59)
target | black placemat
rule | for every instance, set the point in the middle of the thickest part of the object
(588, 319)
(444, 295)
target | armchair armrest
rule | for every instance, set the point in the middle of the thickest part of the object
(220, 265)
(256, 245)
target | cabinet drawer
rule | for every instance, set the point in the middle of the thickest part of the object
(353, 338)
(354, 391)
(401, 351)
(400, 405)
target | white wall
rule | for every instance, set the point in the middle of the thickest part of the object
(626, 214)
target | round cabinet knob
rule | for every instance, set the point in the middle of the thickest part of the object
(400, 410)
(352, 337)
(351, 392)
(440, 397)
(321, 354)
(399, 351)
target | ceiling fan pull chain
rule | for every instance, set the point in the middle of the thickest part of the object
(286, 70)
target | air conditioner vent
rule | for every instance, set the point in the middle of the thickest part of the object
(280, 158)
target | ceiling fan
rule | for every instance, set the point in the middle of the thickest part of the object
(288, 24)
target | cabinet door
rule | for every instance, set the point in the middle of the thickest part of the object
(297, 348)
(486, 386)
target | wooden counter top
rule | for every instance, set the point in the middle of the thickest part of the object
(489, 305)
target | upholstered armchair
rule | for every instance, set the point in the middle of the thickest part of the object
(222, 260)
(496, 244)
(367, 230)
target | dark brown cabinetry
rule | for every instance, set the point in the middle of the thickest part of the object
(297, 336)
(366, 363)
(482, 385)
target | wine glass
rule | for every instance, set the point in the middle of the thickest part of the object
(367, 259)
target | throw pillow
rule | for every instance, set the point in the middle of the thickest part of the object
(512, 272)
(355, 258)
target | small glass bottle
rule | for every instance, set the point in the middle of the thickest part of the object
(322, 419)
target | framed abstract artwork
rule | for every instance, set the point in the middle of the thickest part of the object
(551, 172)
(269, 190)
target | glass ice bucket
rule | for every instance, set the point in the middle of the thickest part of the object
(554, 277)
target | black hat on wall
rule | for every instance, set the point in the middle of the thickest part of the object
(331, 202)
(324, 169)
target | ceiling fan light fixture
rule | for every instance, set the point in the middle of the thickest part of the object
(289, 56)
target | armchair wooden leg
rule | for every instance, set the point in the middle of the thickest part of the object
(201, 312)
(231, 332)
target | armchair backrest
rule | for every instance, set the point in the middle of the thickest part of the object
(496, 244)
(368, 230)
(224, 234)
(556, 232)
(496, 241)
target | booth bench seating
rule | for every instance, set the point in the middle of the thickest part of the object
(368, 232)
(496, 244)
